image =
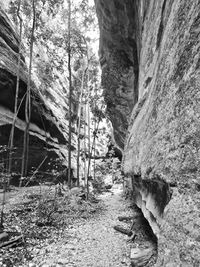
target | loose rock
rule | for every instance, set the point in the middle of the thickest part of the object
(140, 257)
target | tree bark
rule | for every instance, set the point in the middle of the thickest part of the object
(85, 121)
(95, 95)
(70, 93)
(11, 141)
(88, 120)
(28, 102)
(79, 126)
(93, 143)
(123, 230)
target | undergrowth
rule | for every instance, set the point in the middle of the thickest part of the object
(42, 215)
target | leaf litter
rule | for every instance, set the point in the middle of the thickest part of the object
(69, 231)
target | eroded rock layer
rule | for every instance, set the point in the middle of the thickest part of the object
(159, 103)
(46, 139)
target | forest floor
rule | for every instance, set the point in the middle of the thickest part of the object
(79, 238)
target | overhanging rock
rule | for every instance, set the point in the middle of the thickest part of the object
(46, 136)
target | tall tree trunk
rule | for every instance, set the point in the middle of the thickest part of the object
(70, 93)
(78, 158)
(85, 122)
(94, 149)
(79, 126)
(96, 125)
(93, 144)
(95, 105)
(11, 140)
(28, 102)
(88, 114)
(88, 120)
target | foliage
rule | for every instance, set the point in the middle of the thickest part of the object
(50, 58)
(51, 35)
(50, 63)
(40, 214)
(98, 184)
(46, 209)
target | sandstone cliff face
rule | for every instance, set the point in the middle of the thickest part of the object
(150, 71)
(119, 61)
(46, 135)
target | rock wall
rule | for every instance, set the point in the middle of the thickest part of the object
(46, 135)
(149, 52)
(118, 58)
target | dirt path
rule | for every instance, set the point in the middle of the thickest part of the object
(91, 242)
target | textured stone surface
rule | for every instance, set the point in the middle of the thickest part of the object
(47, 136)
(118, 57)
(164, 128)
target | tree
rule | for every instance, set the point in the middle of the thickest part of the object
(11, 141)
(61, 45)
(70, 92)
(99, 114)
(28, 100)
(84, 72)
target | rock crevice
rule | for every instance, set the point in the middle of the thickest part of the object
(119, 61)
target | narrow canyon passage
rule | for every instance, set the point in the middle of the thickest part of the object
(92, 242)
(96, 88)
(83, 237)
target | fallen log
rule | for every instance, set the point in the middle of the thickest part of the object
(123, 230)
(11, 243)
(140, 257)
